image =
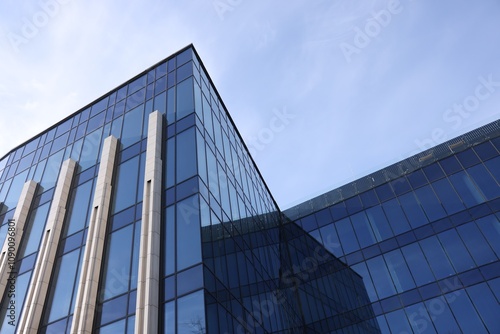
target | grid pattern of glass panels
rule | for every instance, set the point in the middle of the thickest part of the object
(426, 243)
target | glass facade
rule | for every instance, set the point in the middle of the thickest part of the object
(416, 252)
(424, 236)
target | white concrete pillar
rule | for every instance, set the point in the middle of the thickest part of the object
(88, 284)
(40, 280)
(146, 316)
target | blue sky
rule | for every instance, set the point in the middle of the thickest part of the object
(323, 92)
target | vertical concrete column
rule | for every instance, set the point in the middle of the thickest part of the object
(146, 316)
(88, 284)
(39, 285)
(15, 234)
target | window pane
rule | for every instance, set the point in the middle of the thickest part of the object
(417, 264)
(451, 202)
(14, 191)
(191, 314)
(464, 312)
(90, 149)
(117, 267)
(379, 223)
(413, 210)
(65, 273)
(396, 217)
(490, 226)
(381, 277)
(132, 126)
(126, 184)
(188, 233)
(466, 189)
(486, 305)
(456, 250)
(349, 241)
(484, 181)
(430, 203)
(79, 208)
(399, 271)
(436, 257)
(186, 155)
(476, 244)
(185, 98)
(363, 229)
(34, 230)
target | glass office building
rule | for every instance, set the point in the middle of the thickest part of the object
(424, 234)
(143, 212)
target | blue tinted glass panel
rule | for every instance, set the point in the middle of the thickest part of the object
(169, 257)
(396, 217)
(448, 196)
(466, 189)
(363, 229)
(114, 309)
(418, 265)
(433, 172)
(398, 322)
(430, 203)
(18, 298)
(113, 328)
(117, 263)
(436, 257)
(169, 319)
(450, 165)
(493, 166)
(456, 250)
(485, 151)
(65, 273)
(441, 316)
(418, 319)
(90, 149)
(185, 98)
(381, 277)
(486, 305)
(468, 158)
(15, 190)
(34, 230)
(379, 223)
(188, 233)
(191, 313)
(490, 226)
(186, 155)
(160, 103)
(464, 312)
(349, 241)
(399, 271)
(484, 181)
(77, 214)
(132, 126)
(417, 179)
(126, 184)
(476, 244)
(413, 210)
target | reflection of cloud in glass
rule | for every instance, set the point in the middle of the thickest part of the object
(191, 314)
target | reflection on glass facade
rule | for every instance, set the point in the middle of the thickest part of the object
(423, 234)
(415, 249)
